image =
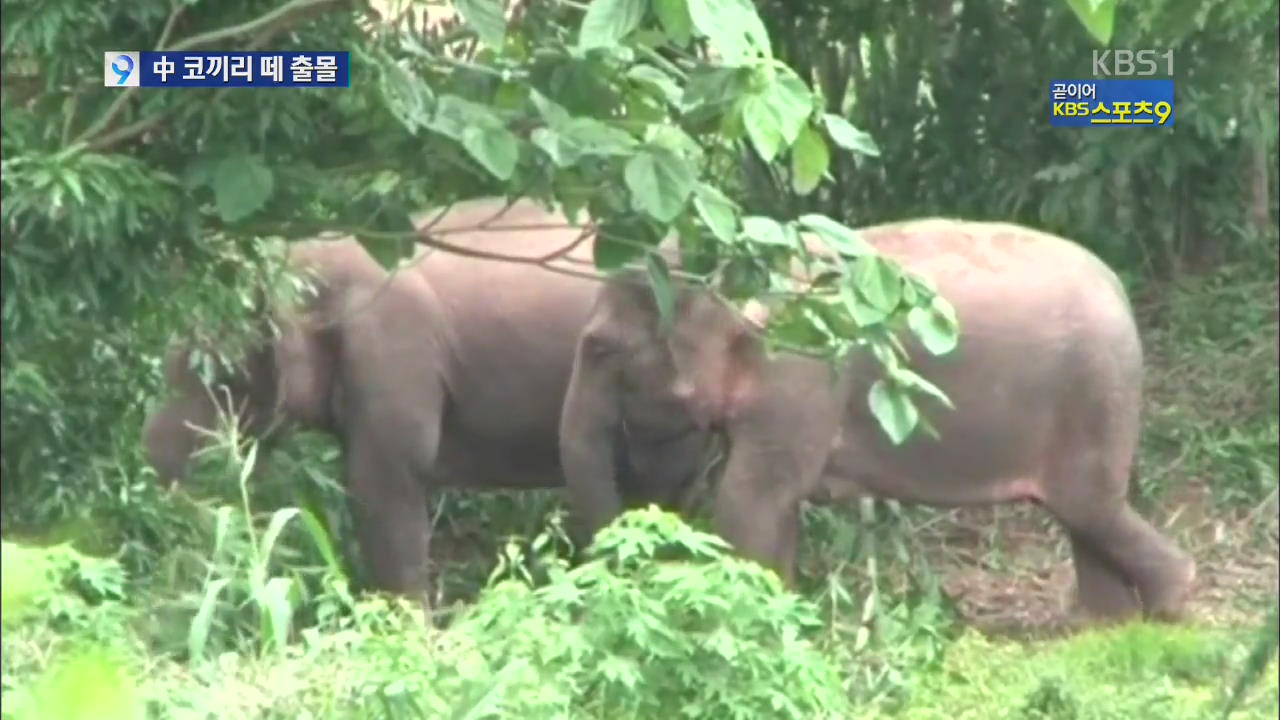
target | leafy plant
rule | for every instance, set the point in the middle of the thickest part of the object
(84, 673)
(660, 619)
(243, 572)
(1262, 654)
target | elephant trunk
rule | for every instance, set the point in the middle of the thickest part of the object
(172, 434)
(180, 427)
(287, 377)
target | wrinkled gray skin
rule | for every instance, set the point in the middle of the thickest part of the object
(451, 373)
(1046, 381)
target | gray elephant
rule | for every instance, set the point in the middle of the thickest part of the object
(1046, 384)
(450, 372)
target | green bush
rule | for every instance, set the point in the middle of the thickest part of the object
(68, 658)
(1136, 671)
(660, 620)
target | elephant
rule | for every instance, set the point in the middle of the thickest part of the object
(1045, 382)
(449, 372)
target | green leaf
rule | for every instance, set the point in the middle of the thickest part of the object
(893, 410)
(485, 17)
(717, 211)
(573, 193)
(660, 282)
(552, 112)
(652, 76)
(321, 541)
(199, 173)
(835, 316)
(674, 16)
(391, 229)
(675, 139)
(222, 527)
(849, 137)
(936, 326)
(841, 239)
(250, 462)
(494, 147)
(598, 138)
(733, 27)
(713, 86)
(622, 239)
(743, 277)
(562, 150)
(774, 115)
(608, 21)
(809, 161)
(242, 184)
(862, 312)
(510, 96)
(386, 251)
(274, 599)
(569, 140)
(698, 250)
(202, 623)
(455, 114)
(879, 282)
(660, 182)
(766, 231)
(909, 378)
(384, 182)
(1097, 16)
(278, 522)
(407, 97)
(796, 324)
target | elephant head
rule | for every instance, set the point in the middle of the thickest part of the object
(716, 354)
(661, 389)
(285, 378)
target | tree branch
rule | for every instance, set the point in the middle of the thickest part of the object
(282, 18)
(169, 25)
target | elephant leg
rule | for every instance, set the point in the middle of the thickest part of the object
(391, 519)
(1163, 573)
(1103, 592)
(762, 523)
(393, 443)
(775, 461)
(1117, 537)
(779, 445)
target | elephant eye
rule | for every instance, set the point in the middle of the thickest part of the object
(597, 345)
(680, 344)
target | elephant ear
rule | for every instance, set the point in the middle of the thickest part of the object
(305, 363)
(624, 318)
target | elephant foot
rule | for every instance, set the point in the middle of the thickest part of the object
(1166, 598)
(1103, 594)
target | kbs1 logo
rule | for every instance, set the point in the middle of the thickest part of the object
(1126, 63)
(1120, 93)
(226, 69)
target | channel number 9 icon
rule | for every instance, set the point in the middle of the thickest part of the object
(121, 69)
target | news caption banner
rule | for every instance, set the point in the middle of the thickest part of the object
(1111, 102)
(161, 69)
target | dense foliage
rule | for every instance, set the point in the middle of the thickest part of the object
(948, 91)
(659, 622)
